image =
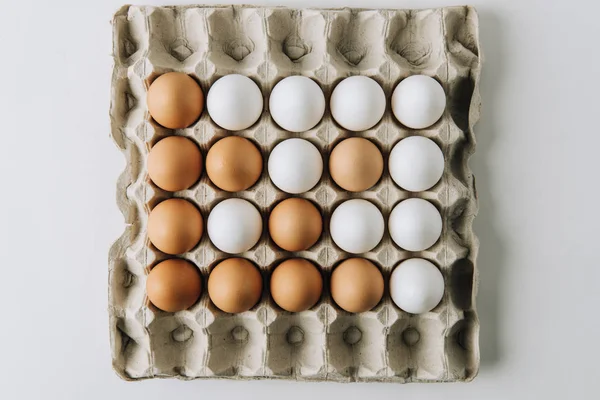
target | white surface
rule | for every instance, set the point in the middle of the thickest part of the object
(295, 165)
(234, 225)
(415, 224)
(234, 102)
(416, 285)
(357, 113)
(296, 103)
(418, 101)
(356, 226)
(537, 156)
(416, 163)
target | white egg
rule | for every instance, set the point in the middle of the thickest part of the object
(295, 165)
(357, 103)
(234, 102)
(415, 224)
(416, 286)
(297, 103)
(418, 101)
(356, 226)
(416, 163)
(234, 225)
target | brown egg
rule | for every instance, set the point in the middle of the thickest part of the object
(175, 100)
(356, 285)
(174, 163)
(174, 285)
(235, 285)
(234, 163)
(296, 285)
(295, 224)
(175, 226)
(356, 164)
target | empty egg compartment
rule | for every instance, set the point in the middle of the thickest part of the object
(297, 44)
(182, 40)
(130, 345)
(461, 35)
(462, 348)
(297, 343)
(179, 344)
(237, 343)
(238, 40)
(128, 93)
(129, 25)
(356, 345)
(415, 40)
(356, 40)
(418, 343)
(323, 343)
(127, 279)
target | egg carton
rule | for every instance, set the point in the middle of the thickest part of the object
(324, 343)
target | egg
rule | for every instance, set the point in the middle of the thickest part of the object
(297, 103)
(296, 285)
(235, 285)
(416, 286)
(415, 224)
(175, 226)
(416, 163)
(174, 285)
(356, 285)
(234, 164)
(357, 103)
(356, 226)
(234, 225)
(356, 164)
(174, 163)
(295, 224)
(175, 100)
(234, 102)
(295, 166)
(418, 101)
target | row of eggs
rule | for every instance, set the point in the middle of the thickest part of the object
(234, 225)
(296, 103)
(295, 165)
(235, 285)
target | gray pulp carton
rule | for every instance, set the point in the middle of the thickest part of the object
(324, 343)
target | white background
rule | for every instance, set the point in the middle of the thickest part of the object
(536, 164)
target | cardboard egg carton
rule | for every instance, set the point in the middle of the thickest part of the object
(324, 343)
